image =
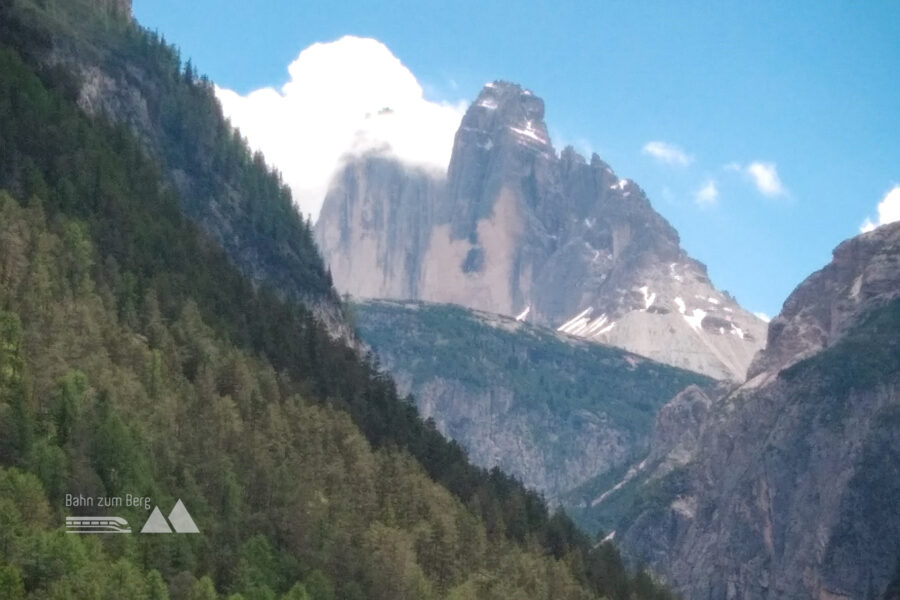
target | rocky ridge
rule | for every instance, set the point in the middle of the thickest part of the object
(863, 273)
(788, 486)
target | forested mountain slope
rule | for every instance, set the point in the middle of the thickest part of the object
(135, 358)
(125, 74)
(554, 412)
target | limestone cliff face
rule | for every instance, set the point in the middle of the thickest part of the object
(381, 212)
(514, 227)
(789, 486)
(554, 412)
(862, 273)
(548, 451)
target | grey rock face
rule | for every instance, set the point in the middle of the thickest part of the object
(514, 226)
(863, 272)
(792, 482)
(547, 451)
(377, 245)
(552, 411)
(676, 430)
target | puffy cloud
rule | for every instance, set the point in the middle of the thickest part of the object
(348, 96)
(668, 153)
(765, 178)
(888, 210)
(708, 195)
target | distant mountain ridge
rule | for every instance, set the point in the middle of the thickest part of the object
(516, 229)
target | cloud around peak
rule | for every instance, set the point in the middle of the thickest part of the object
(888, 211)
(351, 95)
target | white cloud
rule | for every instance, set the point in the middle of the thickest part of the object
(668, 153)
(765, 178)
(762, 316)
(708, 195)
(888, 211)
(348, 96)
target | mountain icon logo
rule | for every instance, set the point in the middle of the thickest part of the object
(180, 519)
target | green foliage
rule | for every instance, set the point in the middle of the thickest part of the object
(15, 418)
(203, 589)
(261, 568)
(284, 490)
(67, 403)
(11, 585)
(135, 358)
(319, 587)
(860, 360)
(656, 495)
(298, 592)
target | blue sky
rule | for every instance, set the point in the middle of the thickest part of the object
(808, 88)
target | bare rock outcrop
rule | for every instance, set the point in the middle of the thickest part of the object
(792, 481)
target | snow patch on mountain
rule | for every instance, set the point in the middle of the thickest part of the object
(695, 319)
(522, 315)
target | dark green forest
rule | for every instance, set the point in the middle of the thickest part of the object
(138, 355)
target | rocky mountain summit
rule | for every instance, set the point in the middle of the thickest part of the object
(788, 486)
(863, 273)
(518, 229)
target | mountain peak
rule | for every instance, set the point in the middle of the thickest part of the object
(515, 229)
(504, 108)
(507, 90)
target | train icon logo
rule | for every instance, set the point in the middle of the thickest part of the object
(97, 525)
